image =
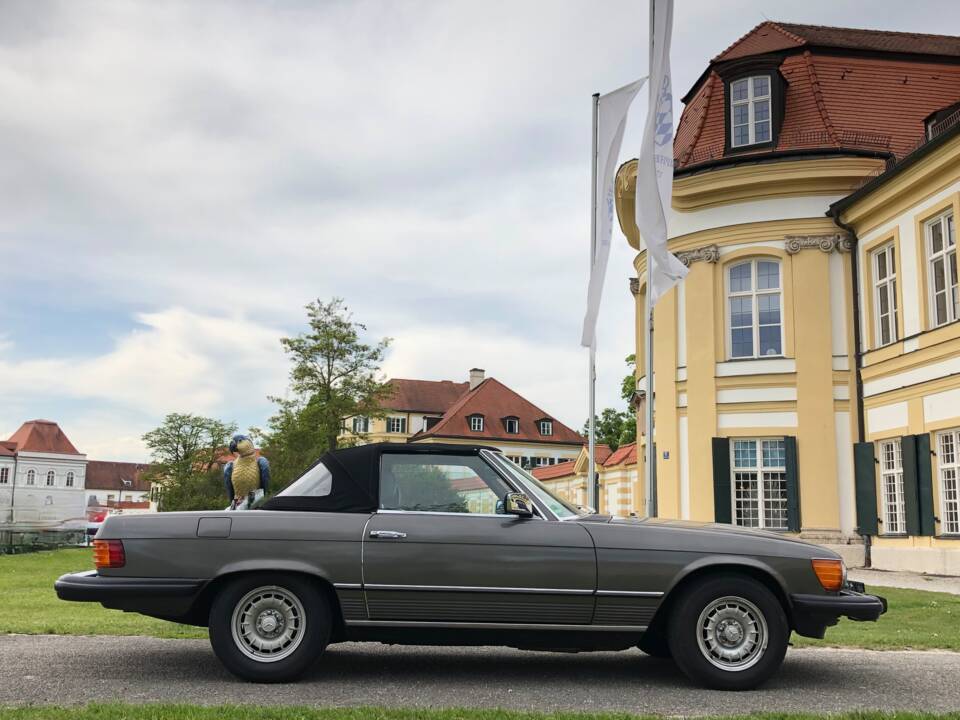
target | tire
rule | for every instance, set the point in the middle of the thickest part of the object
(655, 645)
(269, 628)
(728, 633)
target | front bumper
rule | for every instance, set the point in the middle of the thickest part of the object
(169, 598)
(813, 614)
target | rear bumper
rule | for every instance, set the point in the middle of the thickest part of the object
(812, 614)
(169, 598)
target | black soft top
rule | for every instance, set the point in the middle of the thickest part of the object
(356, 476)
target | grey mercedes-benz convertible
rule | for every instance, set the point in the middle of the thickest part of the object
(456, 545)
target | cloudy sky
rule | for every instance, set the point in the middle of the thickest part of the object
(178, 179)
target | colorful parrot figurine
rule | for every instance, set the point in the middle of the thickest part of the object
(248, 477)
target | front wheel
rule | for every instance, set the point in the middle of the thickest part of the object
(269, 628)
(729, 633)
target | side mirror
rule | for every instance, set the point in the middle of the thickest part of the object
(515, 503)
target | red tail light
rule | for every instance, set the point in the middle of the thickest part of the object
(108, 554)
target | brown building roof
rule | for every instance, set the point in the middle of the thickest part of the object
(429, 396)
(625, 455)
(42, 436)
(552, 472)
(103, 475)
(496, 402)
(7, 448)
(846, 89)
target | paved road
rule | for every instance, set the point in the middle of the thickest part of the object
(67, 670)
(916, 581)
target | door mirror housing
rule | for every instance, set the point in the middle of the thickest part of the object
(517, 503)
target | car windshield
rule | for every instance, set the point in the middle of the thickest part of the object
(559, 507)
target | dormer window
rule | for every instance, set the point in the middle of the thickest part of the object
(546, 427)
(511, 425)
(750, 102)
(476, 423)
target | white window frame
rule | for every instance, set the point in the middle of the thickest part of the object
(512, 426)
(546, 427)
(360, 424)
(948, 230)
(948, 474)
(31, 477)
(70, 477)
(754, 293)
(542, 461)
(396, 424)
(51, 478)
(761, 473)
(516, 459)
(751, 102)
(476, 423)
(893, 509)
(4, 476)
(888, 253)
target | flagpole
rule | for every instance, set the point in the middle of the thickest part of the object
(651, 508)
(593, 485)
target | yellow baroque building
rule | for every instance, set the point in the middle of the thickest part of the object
(785, 367)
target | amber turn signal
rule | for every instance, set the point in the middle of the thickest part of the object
(829, 573)
(108, 554)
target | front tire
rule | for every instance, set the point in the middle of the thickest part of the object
(729, 633)
(269, 628)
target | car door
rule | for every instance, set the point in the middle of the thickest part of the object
(437, 551)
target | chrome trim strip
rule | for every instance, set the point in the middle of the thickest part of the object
(348, 586)
(630, 593)
(470, 588)
(493, 626)
(502, 516)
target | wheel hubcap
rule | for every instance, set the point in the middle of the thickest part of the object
(268, 623)
(732, 633)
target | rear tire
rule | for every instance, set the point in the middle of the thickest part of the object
(655, 645)
(269, 628)
(729, 633)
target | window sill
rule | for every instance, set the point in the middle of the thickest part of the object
(756, 357)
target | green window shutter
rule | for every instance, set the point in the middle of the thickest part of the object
(793, 484)
(656, 509)
(925, 486)
(721, 480)
(908, 449)
(865, 477)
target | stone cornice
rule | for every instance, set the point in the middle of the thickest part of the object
(840, 242)
(635, 286)
(707, 253)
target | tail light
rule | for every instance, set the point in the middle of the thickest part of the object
(108, 554)
(96, 516)
(830, 573)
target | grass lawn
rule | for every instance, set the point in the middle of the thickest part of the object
(234, 712)
(916, 619)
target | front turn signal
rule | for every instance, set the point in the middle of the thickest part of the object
(830, 573)
(108, 554)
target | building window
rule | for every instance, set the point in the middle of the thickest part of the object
(948, 461)
(756, 328)
(942, 268)
(361, 424)
(750, 111)
(515, 459)
(760, 483)
(476, 423)
(396, 424)
(891, 487)
(31, 477)
(546, 427)
(51, 478)
(512, 426)
(4, 476)
(70, 477)
(885, 294)
(542, 461)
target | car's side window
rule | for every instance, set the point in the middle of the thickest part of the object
(439, 483)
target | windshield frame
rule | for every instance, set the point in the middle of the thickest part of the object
(541, 494)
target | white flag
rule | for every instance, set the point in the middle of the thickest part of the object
(655, 167)
(611, 121)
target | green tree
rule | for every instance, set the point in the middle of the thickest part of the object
(614, 428)
(629, 385)
(335, 375)
(186, 451)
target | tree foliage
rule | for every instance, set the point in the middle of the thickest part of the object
(334, 376)
(614, 428)
(185, 453)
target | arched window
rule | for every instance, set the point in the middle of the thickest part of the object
(31, 477)
(70, 479)
(51, 478)
(753, 306)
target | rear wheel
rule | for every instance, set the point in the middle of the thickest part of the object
(729, 633)
(269, 628)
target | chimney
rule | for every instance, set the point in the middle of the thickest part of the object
(476, 377)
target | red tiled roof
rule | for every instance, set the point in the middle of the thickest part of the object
(7, 448)
(625, 454)
(103, 475)
(432, 396)
(495, 401)
(552, 472)
(468, 483)
(837, 101)
(42, 436)
(601, 452)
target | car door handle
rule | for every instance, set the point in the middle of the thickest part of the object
(388, 534)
